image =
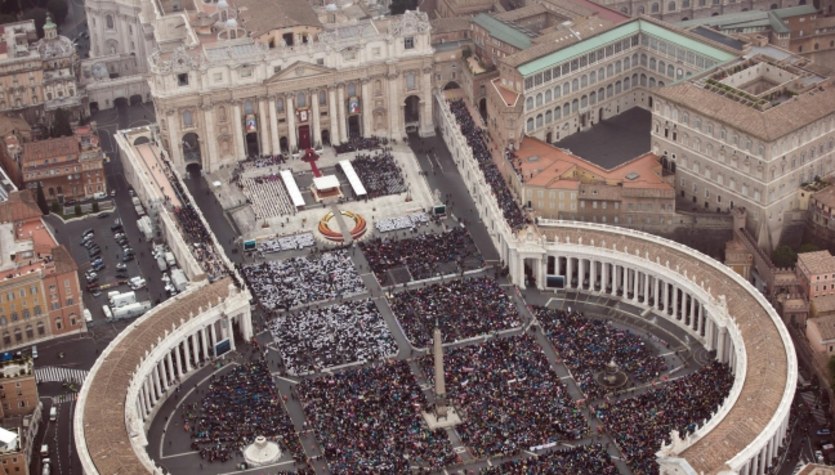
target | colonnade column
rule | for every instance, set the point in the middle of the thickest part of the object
(343, 119)
(169, 365)
(367, 126)
(262, 127)
(178, 360)
(273, 126)
(158, 383)
(149, 401)
(720, 344)
(334, 116)
(646, 289)
(675, 302)
(204, 337)
(231, 334)
(569, 265)
(290, 107)
(605, 282)
(657, 296)
(593, 275)
(176, 139)
(315, 120)
(210, 138)
(426, 121)
(395, 107)
(239, 131)
(581, 275)
(635, 286)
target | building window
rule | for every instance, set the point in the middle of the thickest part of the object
(409, 42)
(188, 119)
(182, 79)
(279, 105)
(323, 98)
(411, 81)
(108, 21)
(37, 310)
(301, 100)
(59, 323)
(41, 329)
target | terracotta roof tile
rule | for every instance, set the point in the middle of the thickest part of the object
(20, 206)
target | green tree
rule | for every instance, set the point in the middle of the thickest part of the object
(78, 210)
(61, 124)
(58, 9)
(96, 207)
(398, 7)
(56, 207)
(41, 197)
(784, 256)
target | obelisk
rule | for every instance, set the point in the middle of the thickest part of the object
(443, 415)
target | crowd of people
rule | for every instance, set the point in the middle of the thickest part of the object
(355, 144)
(286, 243)
(379, 173)
(199, 237)
(396, 223)
(589, 459)
(313, 339)
(461, 309)
(369, 421)
(238, 406)
(268, 195)
(478, 144)
(510, 397)
(288, 283)
(640, 424)
(588, 345)
(423, 254)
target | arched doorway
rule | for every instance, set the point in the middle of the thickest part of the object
(194, 170)
(120, 103)
(191, 149)
(252, 144)
(482, 108)
(326, 137)
(94, 107)
(136, 99)
(141, 140)
(411, 114)
(354, 127)
(451, 85)
(282, 144)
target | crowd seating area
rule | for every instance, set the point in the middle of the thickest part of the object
(284, 284)
(640, 424)
(588, 345)
(238, 406)
(286, 243)
(313, 339)
(196, 234)
(462, 309)
(379, 173)
(360, 143)
(510, 397)
(589, 459)
(477, 142)
(369, 421)
(396, 223)
(267, 195)
(423, 254)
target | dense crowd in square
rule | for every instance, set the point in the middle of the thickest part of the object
(423, 254)
(481, 152)
(510, 398)
(238, 406)
(461, 308)
(588, 345)
(268, 195)
(313, 339)
(589, 459)
(286, 243)
(641, 423)
(379, 173)
(196, 234)
(288, 283)
(396, 223)
(369, 421)
(360, 143)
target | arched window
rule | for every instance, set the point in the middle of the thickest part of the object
(188, 119)
(279, 105)
(26, 314)
(671, 6)
(651, 82)
(584, 101)
(530, 125)
(351, 89)
(548, 117)
(655, 8)
(548, 96)
(557, 113)
(557, 91)
(641, 10)
(323, 98)
(3, 321)
(539, 99)
(592, 77)
(108, 22)
(652, 63)
(529, 103)
(566, 89)
(301, 100)
(662, 66)
(575, 85)
(626, 84)
(671, 71)
(538, 121)
(593, 98)
(566, 109)
(575, 105)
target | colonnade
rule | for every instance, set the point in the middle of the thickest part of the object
(182, 357)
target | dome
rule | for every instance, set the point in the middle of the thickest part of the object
(232, 24)
(222, 5)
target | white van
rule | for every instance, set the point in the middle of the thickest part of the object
(107, 313)
(136, 283)
(34, 352)
(88, 316)
(53, 413)
(44, 450)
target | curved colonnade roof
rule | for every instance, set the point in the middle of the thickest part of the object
(767, 354)
(105, 429)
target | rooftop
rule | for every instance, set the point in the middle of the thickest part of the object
(105, 431)
(613, 141)
(50, 148)
(505, 32)
(826, 196)
(824, 306)
(817, 262)
(20, 206)
(261, 16)
(544, 165)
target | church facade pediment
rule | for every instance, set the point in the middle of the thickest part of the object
(300, 70)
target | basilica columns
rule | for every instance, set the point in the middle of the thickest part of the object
(291, 122)
(263, 136)
(334, 116)
(367, 126)
(210, 139)
(317, 127)
(343, 118)
(274, 127)
(240, 148)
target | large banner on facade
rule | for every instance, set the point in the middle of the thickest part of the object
(250, 123)
(354, 105)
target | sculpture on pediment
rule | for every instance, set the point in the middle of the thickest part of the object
(412, 23)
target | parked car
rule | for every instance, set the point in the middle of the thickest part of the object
(116, 226)
(121, 266)
(824, 431)
(88, 231)
(95, 252)
(127, 257)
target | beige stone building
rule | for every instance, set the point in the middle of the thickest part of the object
(749, 134)
(263, 78)
(20, 415)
